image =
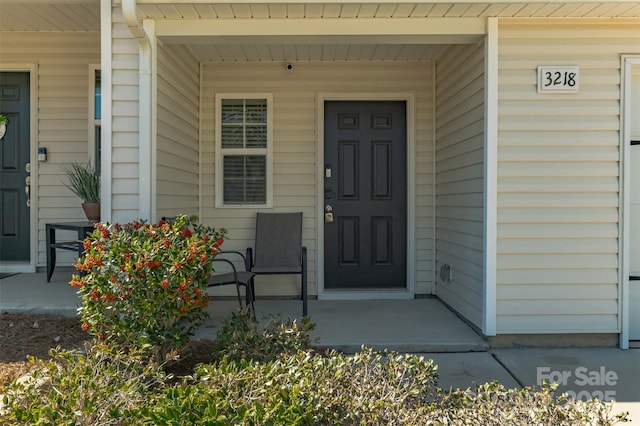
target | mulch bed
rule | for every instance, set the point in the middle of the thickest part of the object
(24, 335)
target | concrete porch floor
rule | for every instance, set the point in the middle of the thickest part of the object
(421, 325)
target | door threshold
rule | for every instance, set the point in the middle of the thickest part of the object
(360, 294)
(17, 267)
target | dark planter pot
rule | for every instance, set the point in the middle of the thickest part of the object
(92, 210)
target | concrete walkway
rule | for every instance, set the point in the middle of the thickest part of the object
(423, 326)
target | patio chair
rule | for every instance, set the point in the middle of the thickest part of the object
(278, 249)
(239, 278)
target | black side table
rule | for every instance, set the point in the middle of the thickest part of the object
(82, 228)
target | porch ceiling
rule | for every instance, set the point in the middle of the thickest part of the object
(50, 15)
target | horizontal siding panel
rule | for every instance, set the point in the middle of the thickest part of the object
(555, 123)
(468, 150)
(558, 230)
(467, 186)
(557, 261)
(465, 227)
(579, 139)
(550, 184)
(558, 154)
(587, 323)
(586, 200)
(460, 251)
(564, 107)
(568, 307)
(528, 93)
(461, 168)
(584, 244)
(557, 215)
(560, 292)
(558, 170)
(583, 275)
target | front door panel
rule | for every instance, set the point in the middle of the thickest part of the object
(365, 194)
(14, 157)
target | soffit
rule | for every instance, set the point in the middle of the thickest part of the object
(159, 9)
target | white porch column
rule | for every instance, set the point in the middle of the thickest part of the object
(489, 308)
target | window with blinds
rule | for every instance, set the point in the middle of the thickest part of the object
(243, 147)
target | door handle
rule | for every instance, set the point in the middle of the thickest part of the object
(328, 214)
(27, 189)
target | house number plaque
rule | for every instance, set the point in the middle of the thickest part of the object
(558, 79)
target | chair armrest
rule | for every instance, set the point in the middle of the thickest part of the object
(220, 257)
(235, 272)
(239, 253)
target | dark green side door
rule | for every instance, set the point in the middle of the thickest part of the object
(14, 158)
(366, 192)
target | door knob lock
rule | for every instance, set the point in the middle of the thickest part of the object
(328, 214)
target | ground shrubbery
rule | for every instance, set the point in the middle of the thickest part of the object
(250, 383)
(258, 375)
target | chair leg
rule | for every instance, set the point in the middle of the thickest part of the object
(238, 293)
(253, 289)
(304, 282)
(249, 297)
(304, 294)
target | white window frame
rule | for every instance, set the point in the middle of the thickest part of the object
(220, 152)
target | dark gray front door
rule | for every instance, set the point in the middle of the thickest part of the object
(14, 157)
(365, 151)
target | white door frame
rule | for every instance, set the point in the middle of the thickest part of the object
(30, 267)
(409, 291)
(625, 168)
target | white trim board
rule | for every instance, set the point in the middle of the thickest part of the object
(627, 61)
(409, 291)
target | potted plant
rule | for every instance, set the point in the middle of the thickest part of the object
(84, 181)
(3, 125)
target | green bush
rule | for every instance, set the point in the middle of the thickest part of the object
(101, 386)
(302, 388)
(285, 385)
(243, 338)
(145, 285)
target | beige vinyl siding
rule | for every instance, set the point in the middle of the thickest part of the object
(459, 177)
(558, 177)
(177, 141)
(62, 117)
(295, 144)
(124, 126)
